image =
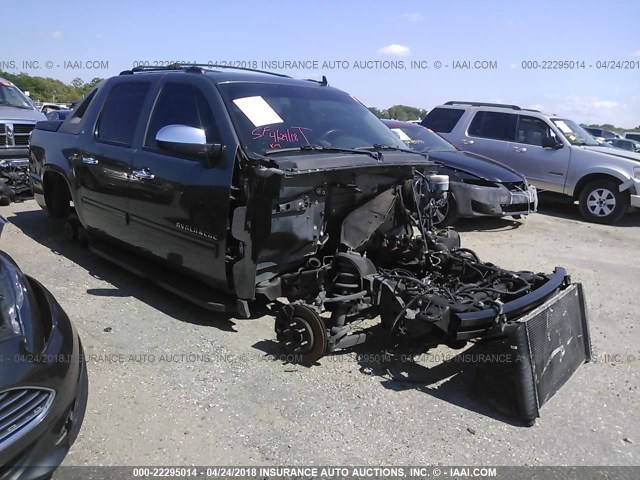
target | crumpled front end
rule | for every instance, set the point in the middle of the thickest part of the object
(495, 201)
(15, 184)
(380, 259)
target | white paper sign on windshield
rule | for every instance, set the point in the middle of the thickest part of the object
(258, 111)
(563, 126)
(403, 136)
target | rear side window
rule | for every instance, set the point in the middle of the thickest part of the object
(121, 113)
(442, 119)
(494, 125)
(632, 136)
(181, 104)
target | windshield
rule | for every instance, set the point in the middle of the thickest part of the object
(10, 96)
(272, 117)
(574, 133)
(422, 139)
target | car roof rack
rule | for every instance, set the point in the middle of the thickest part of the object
(324, 82)
(193, 68)
(483, 104)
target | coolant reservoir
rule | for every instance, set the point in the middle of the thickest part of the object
(438, 183)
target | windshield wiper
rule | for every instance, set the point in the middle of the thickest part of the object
(320, 148)
(377, 146)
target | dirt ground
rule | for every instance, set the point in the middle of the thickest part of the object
(171, 384)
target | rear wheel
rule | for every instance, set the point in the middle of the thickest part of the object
(57, 196)
(601, 201)
(71, 229)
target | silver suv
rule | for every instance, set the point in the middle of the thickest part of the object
(553, 153)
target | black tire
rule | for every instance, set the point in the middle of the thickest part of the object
(71, 229)
(58, 199)
(601, 201)
(447, 214)
(83, 236)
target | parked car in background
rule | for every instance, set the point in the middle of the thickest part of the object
(50, 107)
(602, 133)
(553, 153)
(479, 186)
(58, 114)
(18, 117)
(632, 136)
(624, 144)
(43, 377)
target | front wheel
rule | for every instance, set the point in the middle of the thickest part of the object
(601, 201)
(445, 212)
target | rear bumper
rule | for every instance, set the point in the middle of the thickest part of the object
(635, 201)
(477, 201)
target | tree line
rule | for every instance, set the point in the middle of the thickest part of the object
(45, 89)
(399, 112)
(608, 126)
(49, 89)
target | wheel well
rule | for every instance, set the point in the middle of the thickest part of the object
(57, 195)
(590, 178)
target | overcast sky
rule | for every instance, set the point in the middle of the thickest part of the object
(357, 33)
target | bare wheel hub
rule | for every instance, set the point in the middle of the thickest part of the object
(298, 336)
(302, 333)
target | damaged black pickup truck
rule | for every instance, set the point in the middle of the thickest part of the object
(252, 187)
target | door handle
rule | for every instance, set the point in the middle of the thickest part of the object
(144, 174)
(468, 142)
(89, 160)
(520, 149)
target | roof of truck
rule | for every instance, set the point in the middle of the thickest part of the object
(225, 73)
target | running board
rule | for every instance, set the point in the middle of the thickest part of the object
(177, 283)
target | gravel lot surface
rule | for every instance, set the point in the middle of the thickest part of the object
(171, 384)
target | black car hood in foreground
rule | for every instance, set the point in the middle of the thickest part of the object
(477, 165)
(18, 308)
(43, 377)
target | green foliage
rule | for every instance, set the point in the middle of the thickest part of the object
(378, 113)
(50, 89)
(400, 112)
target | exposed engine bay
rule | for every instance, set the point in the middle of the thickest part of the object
(425, 288)
(15, 185)
(419, 280)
